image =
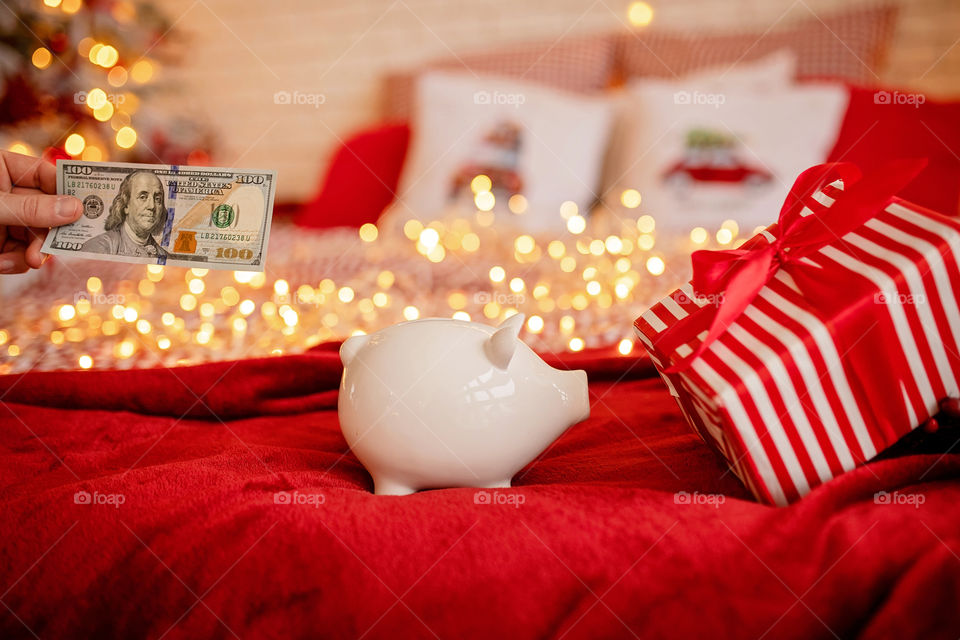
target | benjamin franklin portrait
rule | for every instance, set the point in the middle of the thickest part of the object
(138, 212)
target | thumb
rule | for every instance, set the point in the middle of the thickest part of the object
(38, 209)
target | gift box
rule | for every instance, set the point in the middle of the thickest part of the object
(823, 339)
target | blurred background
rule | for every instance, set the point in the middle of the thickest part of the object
(475, 159)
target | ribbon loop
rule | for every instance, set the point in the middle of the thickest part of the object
(740, 274)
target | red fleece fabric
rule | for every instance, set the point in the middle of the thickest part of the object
(592, 541)
(361, 180)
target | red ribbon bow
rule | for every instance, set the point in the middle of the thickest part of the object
(740, 274)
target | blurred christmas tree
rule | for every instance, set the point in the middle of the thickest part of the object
(76, 78)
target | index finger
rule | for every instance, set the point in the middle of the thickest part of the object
(27, 171)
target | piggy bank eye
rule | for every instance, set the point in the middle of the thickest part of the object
(501, 346)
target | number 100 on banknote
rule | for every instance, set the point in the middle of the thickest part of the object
(201, 217)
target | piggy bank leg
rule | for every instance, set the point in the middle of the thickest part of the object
(388, 487)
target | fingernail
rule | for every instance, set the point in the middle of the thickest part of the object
(67, 207)
(6, 265)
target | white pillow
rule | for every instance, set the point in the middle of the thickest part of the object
(699, 157)
(545, 144)
(771, 72)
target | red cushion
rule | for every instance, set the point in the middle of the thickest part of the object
(876, 129)
(361, 180)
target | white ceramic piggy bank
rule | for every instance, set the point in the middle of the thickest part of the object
(440, 403)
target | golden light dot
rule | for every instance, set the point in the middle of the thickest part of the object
(71, 6)
(412, 229)
(497, 274)
(524, 244)
(485, 201)
(107, 56)
(141, 71)
(576, 344)
(188, 302)
(457, 300)
(630, 198)
(117, 311)
(207, 310)
(614, 244)
(556, 249)
(365, 305)
(516, 285)
(41, 58)
(243, 277)
(625, 346)
(92, 154)
(655, 265)
(84, 46)
(345, 294)
(590, 273)
(104, 112)
(163, 342)
(94, 51)
(380, 299)
(239, 324)
(94, 284)
(597, 247)
(230, 296)
(491, 310)
(4, 336)
(621, 290)
(109, 328)
(481, 183)
(579, 302)
(540, 291)
(645, 242)
(258, 280)
(74, 144)
(461, 315)
(732, 226)
(167, 319)
(290, 318)
(646, 224)
(66, 313)
(576, 224)
(385, 279)
(202, 337)
(281, 287)
(126, 137)
(437, 254)
(143, 326)
(268, 309)
(568, 264)
(724, 236)
(56, 337)
(517, 203)
(411, 312)
(594, 287)
(83, 307)
(247, 307)
(640, 14)
(698, 235)
(535, 324)
(52, 3)
(429, 238)
(13, 350)
(96, 98)
(125, 349)
(85, 361)
(117, 77)
(470, 242)
(130, 314)
(368, 232)
(21, 148)
(622, 265)
(196, 286)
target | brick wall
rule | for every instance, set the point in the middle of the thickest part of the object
(236, 56)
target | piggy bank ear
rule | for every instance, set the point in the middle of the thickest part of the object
(350, 347)
(501, 345)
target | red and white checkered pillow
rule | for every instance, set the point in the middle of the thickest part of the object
(577, 65)
(849, 46)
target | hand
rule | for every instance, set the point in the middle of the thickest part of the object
(26, 210)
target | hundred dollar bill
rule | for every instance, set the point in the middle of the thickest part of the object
(203, 217)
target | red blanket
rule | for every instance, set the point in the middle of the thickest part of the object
(221, 501)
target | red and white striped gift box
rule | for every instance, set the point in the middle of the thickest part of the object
(777, 393)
